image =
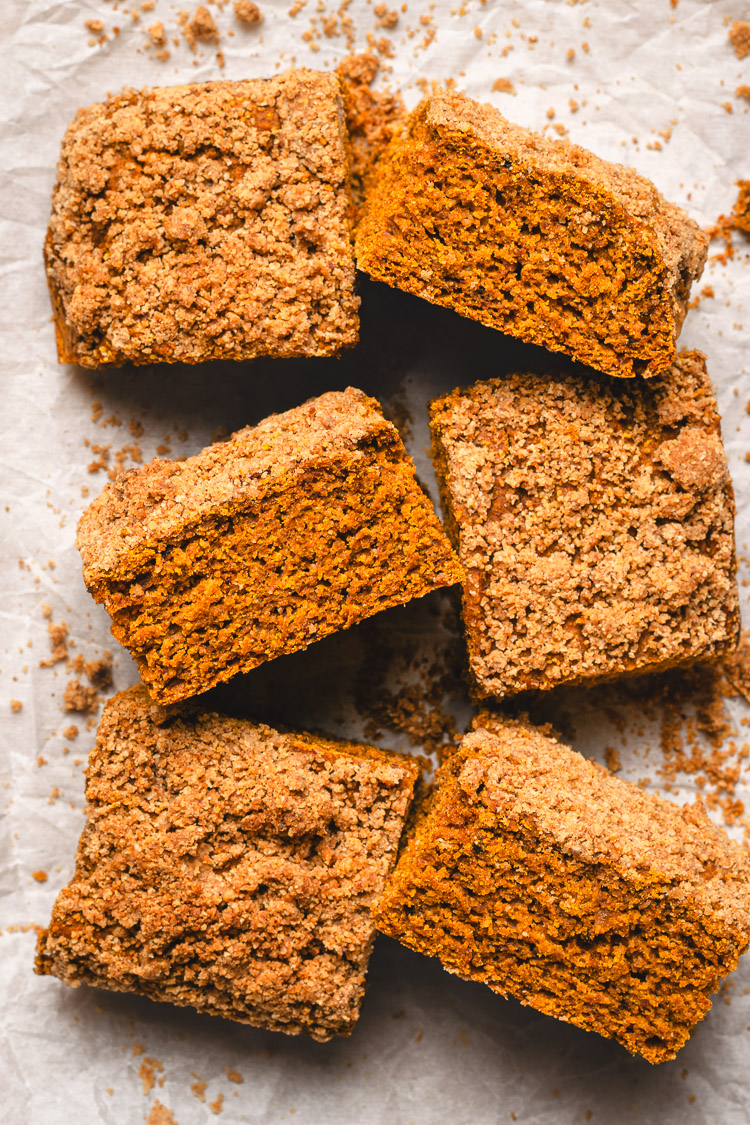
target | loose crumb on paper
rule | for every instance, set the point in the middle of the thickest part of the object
(198, 1088)
(160, 1115)
(80, 697)
(739, 37)
(147, 1074)
(248, 13)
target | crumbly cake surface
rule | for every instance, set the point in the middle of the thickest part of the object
(229, 867)
(207, 221)
(543, 876)
(595, 522)
(290, 530)
(537, 238)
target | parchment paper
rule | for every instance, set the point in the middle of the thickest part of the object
(429, 1047)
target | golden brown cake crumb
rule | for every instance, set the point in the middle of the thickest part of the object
(203, 222)
(534, 237)
(58, 643)
(229, 867)
(160, 1115)
(289, 531)
(739, 37)
(540, 874)
(247, 12)
(594, 520)
(202, 27)
(79, 697)
(16, 705)
(741, 211)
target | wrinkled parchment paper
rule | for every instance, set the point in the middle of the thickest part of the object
(654, 85)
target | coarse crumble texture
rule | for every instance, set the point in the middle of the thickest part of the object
(372, 118)
(594, 519)
(229, 867)
(289, 531)
(209, 221)
(739, 37)
(538, 238)
(540, 874)
(741, 212)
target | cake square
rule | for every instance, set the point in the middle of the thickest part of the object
(206, 221)
(594, 519)
(540, 874)
(229, 867)
(535, 237)
(290, 530)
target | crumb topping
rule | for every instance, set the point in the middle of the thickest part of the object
(204, 222)
(524, 775)
(229, 867)
(164, 498)
(594, 520)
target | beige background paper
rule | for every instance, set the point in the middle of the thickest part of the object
(651, 81)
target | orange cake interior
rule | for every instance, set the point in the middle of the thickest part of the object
(536, 872)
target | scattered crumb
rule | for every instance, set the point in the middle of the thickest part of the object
(201, 28)
(233, 1075)
(71, 732)
(247, 12)
(739, 37)
(198, 1088)
(384, 17)
(16, 705)
(58, 644)
(40, 876)
(96, 27)
(160, 1115)
(737, 668)
(612, 758)
(743, 92)
(503, 86)
(99, 672)
(218, 1105)
(79, 697)
(158, 37)
(146, 1073)
(417, 708)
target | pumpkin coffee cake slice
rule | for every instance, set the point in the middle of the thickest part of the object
(538, 873)
(594, 519)
(290, 530)
(207, 221)
(229, 867)
(537, 238)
